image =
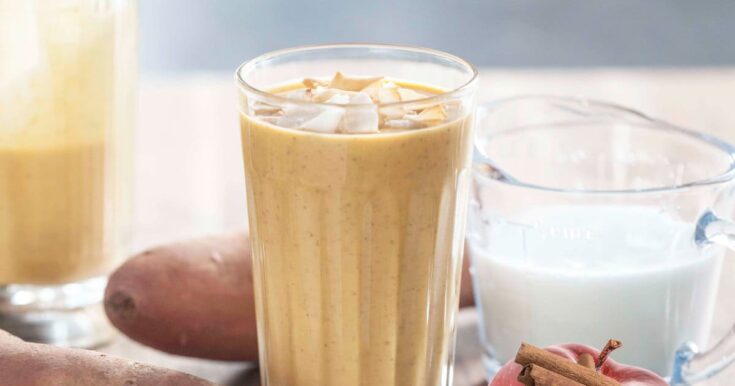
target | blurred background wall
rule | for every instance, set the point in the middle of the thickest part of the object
(190, 48)
(200, 35)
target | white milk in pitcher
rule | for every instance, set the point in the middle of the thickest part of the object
(587, 274)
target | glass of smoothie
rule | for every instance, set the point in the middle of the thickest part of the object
(67, 82)
(357, 172)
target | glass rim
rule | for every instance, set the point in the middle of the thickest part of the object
(252, 63)
(652, 123)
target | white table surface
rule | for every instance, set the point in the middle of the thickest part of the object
(189, 174)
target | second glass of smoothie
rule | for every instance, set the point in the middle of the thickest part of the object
(356, 162)
(68, 73)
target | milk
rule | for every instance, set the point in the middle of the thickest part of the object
(586, 274)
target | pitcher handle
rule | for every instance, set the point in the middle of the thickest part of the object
(691, 365)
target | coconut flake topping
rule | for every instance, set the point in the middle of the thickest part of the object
(365, 114)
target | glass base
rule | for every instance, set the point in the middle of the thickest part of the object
(64, 315)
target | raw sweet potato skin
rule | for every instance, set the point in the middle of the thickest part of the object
(195, 298)
(33, 364)
(192, 298)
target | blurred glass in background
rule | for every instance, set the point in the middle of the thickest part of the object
(68, 75)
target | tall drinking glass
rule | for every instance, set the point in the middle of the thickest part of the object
(357, 237)
(590, 221)
(67, 82)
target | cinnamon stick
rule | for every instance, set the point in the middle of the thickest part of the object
(534, 375)
(529, 354)
(587, 360)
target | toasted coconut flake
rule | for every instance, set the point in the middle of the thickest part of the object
(347, 83)
(340, 99)
(269, 119)
(373, 89)
(392, 112)
(402, 124)
(322, 94)
(303, 94)
(314, 83)
(432, 115)
(409, 95)
(294, 115)
(360, 98)
(361, 119)
(325, 94)
(327, 121)
(262, 108)
(388, 95)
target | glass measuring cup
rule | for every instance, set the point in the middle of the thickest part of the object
(589, 221)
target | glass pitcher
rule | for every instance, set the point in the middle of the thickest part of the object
(591, 221)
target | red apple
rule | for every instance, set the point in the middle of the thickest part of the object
(626, 375)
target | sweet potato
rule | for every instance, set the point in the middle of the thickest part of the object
(191, 298)
(33, 364)
(195, 298)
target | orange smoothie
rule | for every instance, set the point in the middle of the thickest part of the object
(52, 223)
(356, 269)
(65, 123)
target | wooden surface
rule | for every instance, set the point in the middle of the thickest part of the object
(189, 172)
(468, 368)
